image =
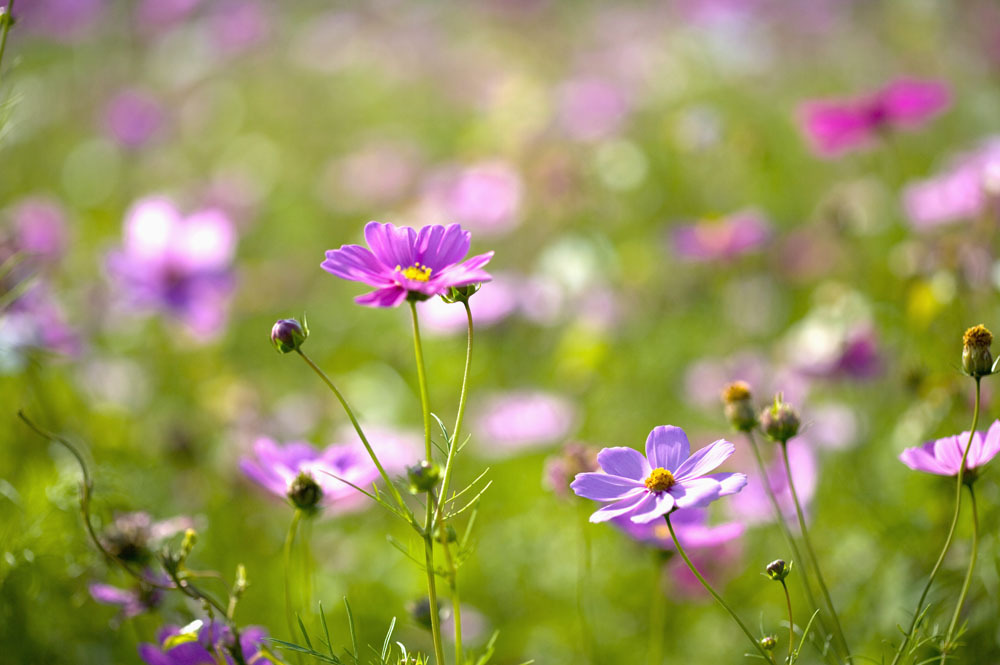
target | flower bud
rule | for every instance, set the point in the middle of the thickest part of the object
(779, 421)
(461, 293)
(129, 537)
(976, 359)
(449, 535)
(423, 476)
(739, 406)
(778, 570)
(768, 642)
(287, 335)
(304, 492)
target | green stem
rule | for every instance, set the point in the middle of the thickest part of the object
(428, 530)
(6, 28)
(951, 533)
(583, 584)
(791, 623)
(357, 427)
(657, 609)
(287, 556)
(456, 604)
(780, 517)
(968, 576)
(422, 380)
(812, 554)
(708, 587)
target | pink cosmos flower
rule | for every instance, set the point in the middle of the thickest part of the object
(944, 456)
(485, 197)
(405, 263)
(590, 109)
(41, 226)
(669, 478)
(523, 419)
(133, 117)
(489, 307)
(961, 192)
(132, 602)
(692, 530)
(754, 506)
(721, 239)
(837, 126)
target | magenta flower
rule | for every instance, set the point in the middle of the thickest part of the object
(667, 479)
(721, 239)
(837, 126)
(944, 456)
(276, 468)
(132, 602)
(405, 263)
(174, 649)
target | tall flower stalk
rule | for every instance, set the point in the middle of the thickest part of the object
(948, 645)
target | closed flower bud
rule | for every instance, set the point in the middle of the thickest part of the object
(287, 335)
(779, 421)
(768, 642)
(423, 476)
(461, 293)
(739, 406)
(976, 358)
(304, 492)
(778, 570)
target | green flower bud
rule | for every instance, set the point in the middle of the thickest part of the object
(768, 642)
(976, 358)
(778, 570)
(287, 335)
(304, 492)
(461, 293)
(739, 406)
(779, 421)
(423, 476)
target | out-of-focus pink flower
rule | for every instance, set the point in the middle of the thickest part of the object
(396, 448)
(41, 226)
(238, 25)
(690, 525)
(180, 265)
(561, 468)
(34, 321)
(754, 507)
(721, 239)
(944, 456)
(379, 173)
(961, 192)
(706, 377)
(132, 602)
(837, 126)
(517, 420)
(60, 20)
(133, 117)
(590, 109)
(485, 197)
(491, 304)
(160, 14)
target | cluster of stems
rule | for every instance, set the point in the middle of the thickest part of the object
(434, 526)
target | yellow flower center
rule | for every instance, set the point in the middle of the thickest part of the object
(415, 272)
(660, 480)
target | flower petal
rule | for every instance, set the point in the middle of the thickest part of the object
(603, 486)
(390, 296)
(991, 443)
(467, 272)
(705, 460)
(666, 447)
(624, 462)
(656, 505)
(439, 247)
(731, 483)
(622, 507)
(391, 245)
(922, 458)
(355, 263)
(696, 492)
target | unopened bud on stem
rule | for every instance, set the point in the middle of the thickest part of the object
(976, 358)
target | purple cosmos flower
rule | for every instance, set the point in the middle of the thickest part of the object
(132, 602)
(667, 479)
(276, 468)
(181, 265)
(721, 239)
(133, 117)
(523, 419)
(944, 456)
(198, 644)
(404, 262)
(836, 126)
(41, 226)
(691, 527)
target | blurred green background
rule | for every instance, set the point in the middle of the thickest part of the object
(595, 130)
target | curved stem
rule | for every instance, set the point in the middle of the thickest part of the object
(951, 533)
(287, 556)
(708, 587)
(357, 426)
(6, 28)
(780, 517)
(968, 576)
(791, 623)
(812, 554)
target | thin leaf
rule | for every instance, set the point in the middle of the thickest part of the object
(326, 629)
(354, 634)
(388, 636)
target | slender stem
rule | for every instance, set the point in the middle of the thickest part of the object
(812, 554)
(657, 609)
(422, 380)
(428, 530)
(968, 576)
(357, 426)
(287, 556)
(708, 587)
(951, 533)
(583, 584)
(780, 517)
(6, 28)
(456, 603)
(791, 623)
